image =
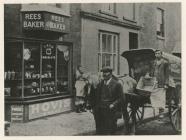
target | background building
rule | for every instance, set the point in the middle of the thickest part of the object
(101, 32)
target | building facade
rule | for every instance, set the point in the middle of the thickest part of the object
(38, 62)
(101, 32)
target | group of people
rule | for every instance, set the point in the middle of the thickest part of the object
(108, 97)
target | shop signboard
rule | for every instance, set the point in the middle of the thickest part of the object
(49, 108)
(37, 20)
(17, 113)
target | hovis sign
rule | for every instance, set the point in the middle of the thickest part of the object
(45, 21)
(49, 108)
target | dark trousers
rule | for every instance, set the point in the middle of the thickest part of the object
(106, 121)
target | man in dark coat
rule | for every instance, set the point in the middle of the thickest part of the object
(106, 103)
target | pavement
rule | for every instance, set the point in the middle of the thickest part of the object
(65, 124)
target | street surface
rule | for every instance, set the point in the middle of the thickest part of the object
(81, 124)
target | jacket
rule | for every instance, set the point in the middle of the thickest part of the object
(115, 94)
(161, 72)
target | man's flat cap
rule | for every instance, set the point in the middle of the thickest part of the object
(106, 69)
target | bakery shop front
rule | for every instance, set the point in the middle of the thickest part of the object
(38, 68)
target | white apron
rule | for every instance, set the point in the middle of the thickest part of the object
(158, 98)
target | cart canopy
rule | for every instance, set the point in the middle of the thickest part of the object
(141, 60)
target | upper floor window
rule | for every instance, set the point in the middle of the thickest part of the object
(108, 51)
(109, 8)
(128, 10)
(160, 22)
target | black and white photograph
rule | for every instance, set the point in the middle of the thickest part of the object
(92, 69)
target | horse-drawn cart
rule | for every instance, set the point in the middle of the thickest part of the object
(141, 61)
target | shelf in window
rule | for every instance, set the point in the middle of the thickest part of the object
(31, 69)
(32, 78)
(7, 80)
(46, 93)
(48, 78)
(61, 77)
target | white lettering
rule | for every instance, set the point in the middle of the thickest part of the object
(60, 104)
(57, 18)
(32, 16)
(35, 109)
(54, 105)
(45, 107)
(17, 109)
(33, 24)
(26, 16)
(57, 26)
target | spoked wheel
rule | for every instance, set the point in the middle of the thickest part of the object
(175, 112)
(137, 111)
(136, 114)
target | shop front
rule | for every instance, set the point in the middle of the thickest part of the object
(38, 68)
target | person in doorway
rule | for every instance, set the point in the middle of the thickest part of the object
(80, 89)
(107, 101)
(161, 73)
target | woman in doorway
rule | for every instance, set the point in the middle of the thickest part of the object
(80, 89)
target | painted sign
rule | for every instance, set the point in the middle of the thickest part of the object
(16, 113)
(49, 108)
(45, 21)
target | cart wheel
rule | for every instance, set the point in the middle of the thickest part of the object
(139, 112)
(175, 110)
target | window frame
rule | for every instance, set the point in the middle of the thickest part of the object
(160, 33)
(114, 54)
(108, 12)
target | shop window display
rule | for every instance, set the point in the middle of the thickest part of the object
(62, 68)
(13, 69)
(31, 55)
(36, 69)
(48, 69)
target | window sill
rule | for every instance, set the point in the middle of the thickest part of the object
(160, 37)
(108, 14)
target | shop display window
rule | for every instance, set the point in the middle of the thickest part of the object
(48, 69)
(31, 56)
(36, 69)
(13, 69)
(62, 68)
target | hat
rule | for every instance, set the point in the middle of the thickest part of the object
(106, 69)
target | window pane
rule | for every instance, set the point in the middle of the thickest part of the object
(32, 69)
(103, 60)
(159, 16)
(103, 42)
(114, 62)
(62, 70)
(108, 60)
(160, 23)
(114, 44)
(109, 43)
(13, 69)
(99, 61)
(109, 48)
(48, 68)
